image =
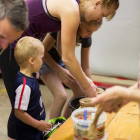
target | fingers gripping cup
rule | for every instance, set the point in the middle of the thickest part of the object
(81, 126)
(87, 101)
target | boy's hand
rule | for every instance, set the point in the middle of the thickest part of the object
(43, 126)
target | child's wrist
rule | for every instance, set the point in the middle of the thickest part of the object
(37, 124)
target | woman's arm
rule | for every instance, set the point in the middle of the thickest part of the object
(133, 95)
(68, 13)
(135, 86)
(64, 74)
(48, 42)
(68, 41)
(117, 96)
(59, 45)
(85, 52)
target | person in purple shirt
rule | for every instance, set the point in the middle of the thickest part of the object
(52, 16)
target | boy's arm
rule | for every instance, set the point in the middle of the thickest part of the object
(22, 99)
(27, 119)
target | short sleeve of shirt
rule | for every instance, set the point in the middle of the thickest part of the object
(54, 35)
(22, 97)
(86, 42)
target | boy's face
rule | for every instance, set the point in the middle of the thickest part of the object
(86, 31)
(38, 61)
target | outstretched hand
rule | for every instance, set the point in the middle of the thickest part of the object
(112, 99)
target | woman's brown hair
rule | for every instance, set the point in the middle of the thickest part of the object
(108, 4)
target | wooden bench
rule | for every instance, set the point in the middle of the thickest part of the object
(123, 125)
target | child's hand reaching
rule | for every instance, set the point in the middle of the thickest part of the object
(43, 126)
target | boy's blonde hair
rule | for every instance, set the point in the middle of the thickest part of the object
(108, 4)
(26, 48)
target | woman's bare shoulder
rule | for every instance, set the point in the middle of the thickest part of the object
(61, 7)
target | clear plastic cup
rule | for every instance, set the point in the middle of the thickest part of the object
(81, 126)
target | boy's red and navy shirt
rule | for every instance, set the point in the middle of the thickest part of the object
(28, 98)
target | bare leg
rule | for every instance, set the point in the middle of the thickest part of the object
(53, 82)
(11, 139)
(77, 92)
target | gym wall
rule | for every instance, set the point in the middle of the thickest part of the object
(116, 45)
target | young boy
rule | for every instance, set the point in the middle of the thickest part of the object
(29, 108)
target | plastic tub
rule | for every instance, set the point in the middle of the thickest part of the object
(86, 102)
(74, 103)
(103, 138)
(81, 127)
(100, 90)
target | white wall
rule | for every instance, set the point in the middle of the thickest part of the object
(116, 45)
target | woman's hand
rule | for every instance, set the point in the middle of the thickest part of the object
(90, 81)
(113, 98)
(91, 91)
(66, 77)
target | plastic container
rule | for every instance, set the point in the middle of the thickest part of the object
(74, 103)
(81, 127)
(103, 138)
(86, 102)
(100, 90)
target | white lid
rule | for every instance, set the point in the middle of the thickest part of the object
(102, 117)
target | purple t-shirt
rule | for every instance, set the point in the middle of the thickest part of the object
(41, 22)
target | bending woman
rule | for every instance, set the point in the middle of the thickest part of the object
(52, 16)
(54, 73)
